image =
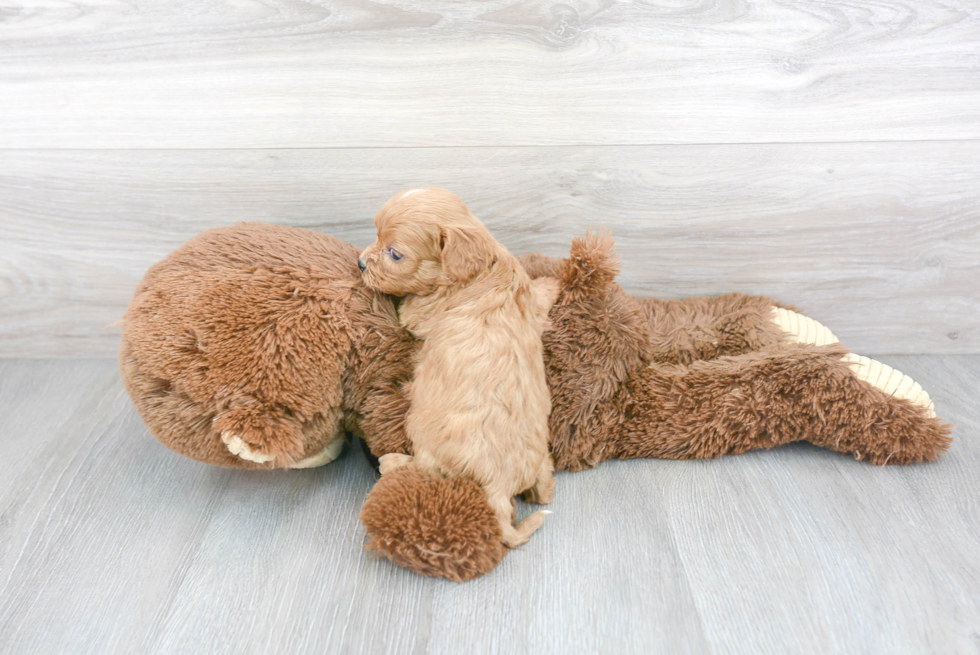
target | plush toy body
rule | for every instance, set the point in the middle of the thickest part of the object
(256, 347)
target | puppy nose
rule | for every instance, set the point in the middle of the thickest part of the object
(361, 265)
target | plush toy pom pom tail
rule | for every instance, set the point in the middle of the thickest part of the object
(443, 528)
(592, 264)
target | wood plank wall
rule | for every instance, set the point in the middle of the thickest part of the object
(825, 153)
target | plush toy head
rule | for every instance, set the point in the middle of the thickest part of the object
(257, 346)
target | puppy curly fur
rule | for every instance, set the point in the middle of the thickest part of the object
(479, 398)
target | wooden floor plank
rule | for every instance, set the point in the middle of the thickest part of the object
(617, 586)
(355, 73)
(881, 242)
(136, 549)
(296, 580)
(96, 529)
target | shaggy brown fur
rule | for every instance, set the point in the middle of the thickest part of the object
(262, 319)
(264, 331)
(479, 399)
(440, 527)
(692, 329)
(625, 402)
(685, 331)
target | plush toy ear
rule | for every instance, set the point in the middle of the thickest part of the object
(465, 253)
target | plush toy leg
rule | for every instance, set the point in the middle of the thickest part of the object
(803, 329)
(789, 392)
(684, 331)
(260, 432)
(268, 437)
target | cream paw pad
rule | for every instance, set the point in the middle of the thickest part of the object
(894, 383)
(803, 329)
(238, 447)
(325, 456)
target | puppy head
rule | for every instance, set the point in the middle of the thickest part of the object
(427, 238)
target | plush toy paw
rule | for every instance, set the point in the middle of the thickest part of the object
(892, 382)
(238, 447)
(803, 329)
(325, 456)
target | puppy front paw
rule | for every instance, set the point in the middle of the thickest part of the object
(238, 447)
(393, 461)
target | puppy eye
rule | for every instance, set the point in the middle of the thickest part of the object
(394, 254)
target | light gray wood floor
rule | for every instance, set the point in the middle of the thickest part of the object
(109, 543)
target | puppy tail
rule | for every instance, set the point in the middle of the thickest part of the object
(592, 264)
(514, 537)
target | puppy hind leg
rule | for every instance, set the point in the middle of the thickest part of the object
(544, 487)
(514, 537)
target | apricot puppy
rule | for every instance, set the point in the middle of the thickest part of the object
(479, 399)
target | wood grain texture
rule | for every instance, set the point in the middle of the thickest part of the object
(354, 73)
(880, 242)
(111, 543)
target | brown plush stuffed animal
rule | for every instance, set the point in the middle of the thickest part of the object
(257, 346)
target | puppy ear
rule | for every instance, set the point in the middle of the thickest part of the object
(465, 254)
